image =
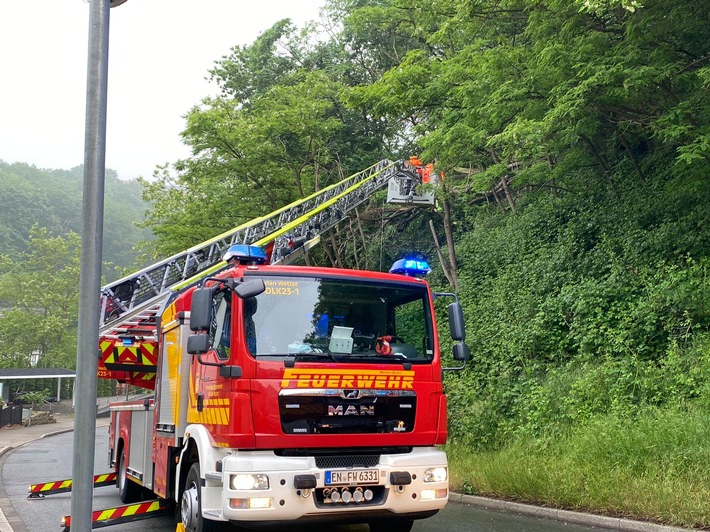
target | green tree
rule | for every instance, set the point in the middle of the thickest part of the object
(40, 288)
(279, 131)
(496, 89)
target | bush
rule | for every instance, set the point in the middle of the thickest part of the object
(596, 302)
(34, 398)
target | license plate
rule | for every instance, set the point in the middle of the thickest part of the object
(352, 476)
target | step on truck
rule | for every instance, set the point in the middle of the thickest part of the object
(288, 394)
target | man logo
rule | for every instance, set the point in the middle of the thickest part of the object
(350, 394)
(351, 410)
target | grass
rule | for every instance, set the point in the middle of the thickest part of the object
(655, 467)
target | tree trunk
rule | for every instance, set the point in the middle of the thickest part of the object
(504, 182)
(328, 251)
(352, 235)
(337, 262)
(627, 147)
(602, 163)
(498, 202)
(450, 244)
(362, 236)
(316, 186)
(551, 167)
(442, 261)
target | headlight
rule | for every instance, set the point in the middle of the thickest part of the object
(249, 482)
(436, 474)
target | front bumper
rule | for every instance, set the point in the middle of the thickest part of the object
(404, 495)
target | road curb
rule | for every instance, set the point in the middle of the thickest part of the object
(566, 516)
(54, 433)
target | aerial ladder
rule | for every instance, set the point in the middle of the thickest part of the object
(130, 306)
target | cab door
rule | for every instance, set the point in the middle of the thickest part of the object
(208, 403)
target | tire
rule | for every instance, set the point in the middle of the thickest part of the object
(191, 505)
(391, 526)
(128, 490)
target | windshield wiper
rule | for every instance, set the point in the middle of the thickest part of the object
(292, 358)
(317, 354)
(394, 358)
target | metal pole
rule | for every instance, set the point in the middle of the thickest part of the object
(90, 280)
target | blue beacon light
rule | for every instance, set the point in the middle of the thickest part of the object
(245, 254)
(411, 267)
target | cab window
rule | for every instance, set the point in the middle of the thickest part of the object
(220, 329)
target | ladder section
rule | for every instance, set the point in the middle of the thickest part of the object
(131, 302)
(299, 235)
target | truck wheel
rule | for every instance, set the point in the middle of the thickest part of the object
(128, 490)
(391, 526)
(191, 506)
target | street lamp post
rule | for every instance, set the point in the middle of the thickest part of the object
(90, 277)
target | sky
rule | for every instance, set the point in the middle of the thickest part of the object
(160, 52)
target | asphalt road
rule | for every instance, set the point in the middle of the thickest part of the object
(50, 459)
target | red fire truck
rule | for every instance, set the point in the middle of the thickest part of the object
(278, 394)
(293, 395)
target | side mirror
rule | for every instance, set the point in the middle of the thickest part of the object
(250, 288)
(198, 344)
(201, 310)
(456, 322)
(461, 352)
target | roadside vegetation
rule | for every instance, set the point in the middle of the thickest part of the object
(40, 223)
(573, 220)
(589, 386)
(649, 466)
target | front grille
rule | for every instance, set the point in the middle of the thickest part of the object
(333, 411)
(337, 451)
(347, 461)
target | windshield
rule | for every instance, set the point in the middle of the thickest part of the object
(339, 319)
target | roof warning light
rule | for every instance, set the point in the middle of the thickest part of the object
(411, 267)
(245, 254)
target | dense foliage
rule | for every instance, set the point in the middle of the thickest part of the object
(589, 304)
(279, 131)
(52, 199)
(576, 139)
(40, 224)
(42, 288)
